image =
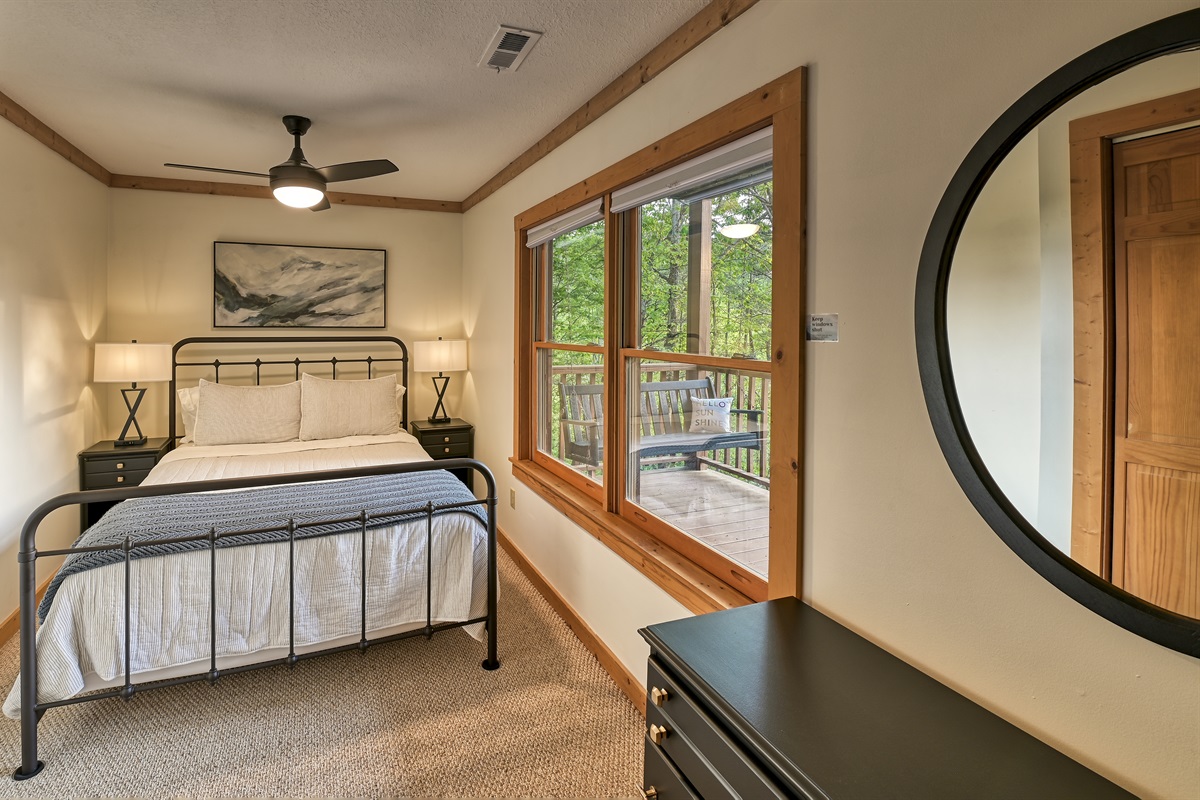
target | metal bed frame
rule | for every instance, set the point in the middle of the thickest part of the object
(32, 711)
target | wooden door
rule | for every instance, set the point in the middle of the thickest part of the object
(1156, 419)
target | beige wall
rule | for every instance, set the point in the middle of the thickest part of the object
(160, 273)
(899, 93)
(53, 235)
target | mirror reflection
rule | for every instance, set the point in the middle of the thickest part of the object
(1073, 317)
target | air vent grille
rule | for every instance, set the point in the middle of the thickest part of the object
(508, 48)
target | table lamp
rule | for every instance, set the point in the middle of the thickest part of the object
(444, 355)
(131, 363)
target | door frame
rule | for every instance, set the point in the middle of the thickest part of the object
(1091, 141)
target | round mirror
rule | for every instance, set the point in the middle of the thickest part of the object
(1058, 329)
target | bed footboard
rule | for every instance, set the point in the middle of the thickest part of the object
(32, 711)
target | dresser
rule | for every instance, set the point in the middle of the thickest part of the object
(777, 700)
(453, 439)
(104, 465)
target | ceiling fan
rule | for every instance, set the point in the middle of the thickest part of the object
(299, 184)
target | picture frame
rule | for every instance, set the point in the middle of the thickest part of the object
(257, 285)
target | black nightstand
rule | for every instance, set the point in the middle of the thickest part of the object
(106, 466)
(453, 439)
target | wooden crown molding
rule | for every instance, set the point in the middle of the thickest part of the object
(710, 19)
(12, 111)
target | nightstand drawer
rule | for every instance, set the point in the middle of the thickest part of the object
(449, 450)
(95, 466)
(109, 480)
(437, 438)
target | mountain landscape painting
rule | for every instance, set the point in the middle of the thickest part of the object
(279, 285)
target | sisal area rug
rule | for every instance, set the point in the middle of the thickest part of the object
(414, 718)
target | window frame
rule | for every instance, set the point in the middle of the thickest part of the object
(650, 545)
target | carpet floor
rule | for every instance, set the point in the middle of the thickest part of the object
(414, 718)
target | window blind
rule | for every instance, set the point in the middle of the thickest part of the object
(731, 166)
(565, 223)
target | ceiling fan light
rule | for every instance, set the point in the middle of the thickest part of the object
(297, 196)
(739, 231)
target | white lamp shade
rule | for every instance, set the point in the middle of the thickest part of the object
(132, 363)
(443, 355)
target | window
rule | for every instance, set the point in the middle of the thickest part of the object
(651, 351)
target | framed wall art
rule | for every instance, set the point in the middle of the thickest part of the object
(289, 286)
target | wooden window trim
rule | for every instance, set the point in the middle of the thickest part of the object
(781, 103)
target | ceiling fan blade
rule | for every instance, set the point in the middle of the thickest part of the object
(218, 169)
(354, 170)
(321, 206)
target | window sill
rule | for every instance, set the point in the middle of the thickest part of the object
(697, 589)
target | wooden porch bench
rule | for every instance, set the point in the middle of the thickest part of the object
(661, 429)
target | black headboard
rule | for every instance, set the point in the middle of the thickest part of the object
(357, 351)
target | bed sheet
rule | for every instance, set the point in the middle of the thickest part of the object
(81, 643)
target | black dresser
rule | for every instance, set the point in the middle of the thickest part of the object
(777, 700)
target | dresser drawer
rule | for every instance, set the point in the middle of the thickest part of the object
(435, 438)
(94, 466)
(661, 780)
(449, 450)
(715, 764)
(109, 480)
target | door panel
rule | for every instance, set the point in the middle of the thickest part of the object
(1156, 424)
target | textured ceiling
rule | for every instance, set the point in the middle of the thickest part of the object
(135, 83)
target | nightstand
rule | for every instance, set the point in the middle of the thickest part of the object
(106, 466)
(453, 439)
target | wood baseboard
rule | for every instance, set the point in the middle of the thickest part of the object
(12, 623)
(623, 678)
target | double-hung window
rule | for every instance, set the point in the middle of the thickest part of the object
(650, 349)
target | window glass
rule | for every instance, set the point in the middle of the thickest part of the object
(698, 453)
(705, 274)
(575, 312)
(571, 409)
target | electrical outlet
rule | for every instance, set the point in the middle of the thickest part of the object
(512, 497)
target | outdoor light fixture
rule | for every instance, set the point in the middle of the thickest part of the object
(739, 231)
(443, 355)
(131, 363)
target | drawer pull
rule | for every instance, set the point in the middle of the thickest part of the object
(446, 439)
(447, 450)
(120, 479)
(120, 465)
(649, 793)
(658, 733)
(659, 696)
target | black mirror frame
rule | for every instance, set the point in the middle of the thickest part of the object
(1173, 34)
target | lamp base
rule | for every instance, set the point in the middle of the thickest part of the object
(439, 420)
(129, 442)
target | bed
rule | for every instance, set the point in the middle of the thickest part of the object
(335, 534)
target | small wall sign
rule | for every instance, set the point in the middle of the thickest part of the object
(823, 327)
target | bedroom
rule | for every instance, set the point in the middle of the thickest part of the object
(891, 546)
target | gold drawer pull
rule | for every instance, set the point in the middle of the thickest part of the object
(120, 479)
(447, 449)
(659, 696)
(120, 465)
(446, 439)
(658, 733)
(649, 793)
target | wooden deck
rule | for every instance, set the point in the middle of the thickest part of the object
(728, 515)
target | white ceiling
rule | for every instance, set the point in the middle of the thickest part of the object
(136, 83)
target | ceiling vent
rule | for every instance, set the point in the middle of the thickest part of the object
(508, 48)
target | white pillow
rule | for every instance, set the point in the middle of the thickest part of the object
(189, 399)
(710, 415)
(332, 409)
(246, 414)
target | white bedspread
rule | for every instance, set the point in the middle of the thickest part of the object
(81, 643)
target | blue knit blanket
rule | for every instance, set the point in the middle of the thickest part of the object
(387, 499)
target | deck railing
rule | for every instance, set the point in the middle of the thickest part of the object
(750, 390)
